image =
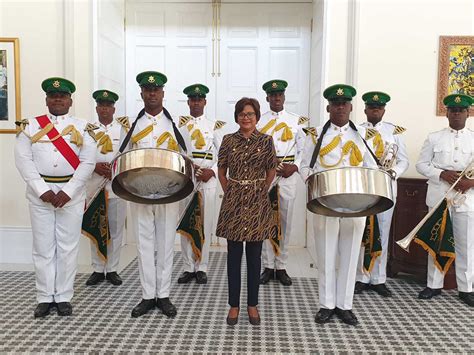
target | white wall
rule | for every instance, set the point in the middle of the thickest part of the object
(396, 51)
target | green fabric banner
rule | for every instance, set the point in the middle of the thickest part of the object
(437, 238)
(192, 225)
(95, 224)
(371, 242)
(275, 202)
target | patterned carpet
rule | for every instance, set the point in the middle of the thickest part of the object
(102, 323)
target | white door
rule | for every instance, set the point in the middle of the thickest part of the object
(253, 43)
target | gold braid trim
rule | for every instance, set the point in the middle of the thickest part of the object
(398, 130)
(378, 145)
(172, 144)
(76, 136)
(369, 133)
(124, 122)
(41, 133)
(142, 134)
(183, 120)
(287, 133)
(302, 120)
(356, 156)
(350, 147)
(268, 125)
(199, 138)
(219, 124)
(90, 129)
(21, 127)
(104, 142)
(312, 132)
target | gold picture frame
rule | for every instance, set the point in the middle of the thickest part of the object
(10, 94)
(455, 69)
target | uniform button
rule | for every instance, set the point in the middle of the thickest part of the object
(246, 146)
(455, 161)
(155, 137)
(246, 154)
(55, 165)
(154, 123)
(456, 148)
(55, 150)
(245, 169)
(245, 228)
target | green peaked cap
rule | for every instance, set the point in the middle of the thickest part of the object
(275, 85)
(105, 95)
(376, 98)
(151, 78)
(339, 92)
(457, 100)
(196, 90)
(57, 84)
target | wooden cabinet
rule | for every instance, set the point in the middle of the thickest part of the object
(409, 211)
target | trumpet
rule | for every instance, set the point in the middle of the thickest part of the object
(457, 200)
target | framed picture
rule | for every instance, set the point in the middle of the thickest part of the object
(455, 69)
(10, 104)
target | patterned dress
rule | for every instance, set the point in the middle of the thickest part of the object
(246, 213)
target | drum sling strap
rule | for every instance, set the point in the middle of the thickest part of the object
(320, 141)
(177, 134)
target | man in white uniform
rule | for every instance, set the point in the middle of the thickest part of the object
(55, 155)
(386, 134)
(443, 156)
(286, 129)
(155, 225)
(338, 143)
(206, 138)
(108, 138)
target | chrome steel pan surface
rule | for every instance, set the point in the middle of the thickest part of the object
(152, 176)
(349, 192)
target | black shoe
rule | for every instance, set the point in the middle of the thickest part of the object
(143, 307)
(232, 321)
(167, 308)
(42, 310)
(114, 278)
(347, 316)
(267, 275)
(467, 298)
(428, 293)
(64, 309)
(324, 315)
(201, 277)
(382, 290)
(95, 278)
(360, 287)
(186, 277)
(254, 320)
(283, 277)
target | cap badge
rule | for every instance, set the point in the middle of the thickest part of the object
(105, 94)
(274, 85)
(197, 89)
(340, 92)
(457, 99)
(151, 79)
(56, 84)
(375, 98)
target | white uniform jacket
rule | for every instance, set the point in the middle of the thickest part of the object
(447, 149)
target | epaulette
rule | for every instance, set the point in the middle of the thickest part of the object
(124, 122)
(219, 124)
(183, 120)
(370, 133)
(21, 125)
(310, 130)
(303, 120)
(90, 128)
(398, 130)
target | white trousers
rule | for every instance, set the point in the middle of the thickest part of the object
(337, 243)
(56, 235)
(463, 228)
(378, 275)
(190, 264)
(155, 229)
(117, 212)
(287, 203)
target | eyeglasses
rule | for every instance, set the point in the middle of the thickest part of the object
(249, 115)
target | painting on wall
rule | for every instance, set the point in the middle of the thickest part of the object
(10, 104)
(455, 69)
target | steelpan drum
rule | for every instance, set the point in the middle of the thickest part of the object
(349, 192)
(152, 176)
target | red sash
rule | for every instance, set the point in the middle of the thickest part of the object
(60, 143)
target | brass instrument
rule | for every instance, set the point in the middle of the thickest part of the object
(389, 157)
(457, 200)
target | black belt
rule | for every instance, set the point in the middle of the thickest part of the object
(56, 179)
(287, 159)
(202, 155)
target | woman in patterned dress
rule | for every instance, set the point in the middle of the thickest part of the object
(246, 167)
